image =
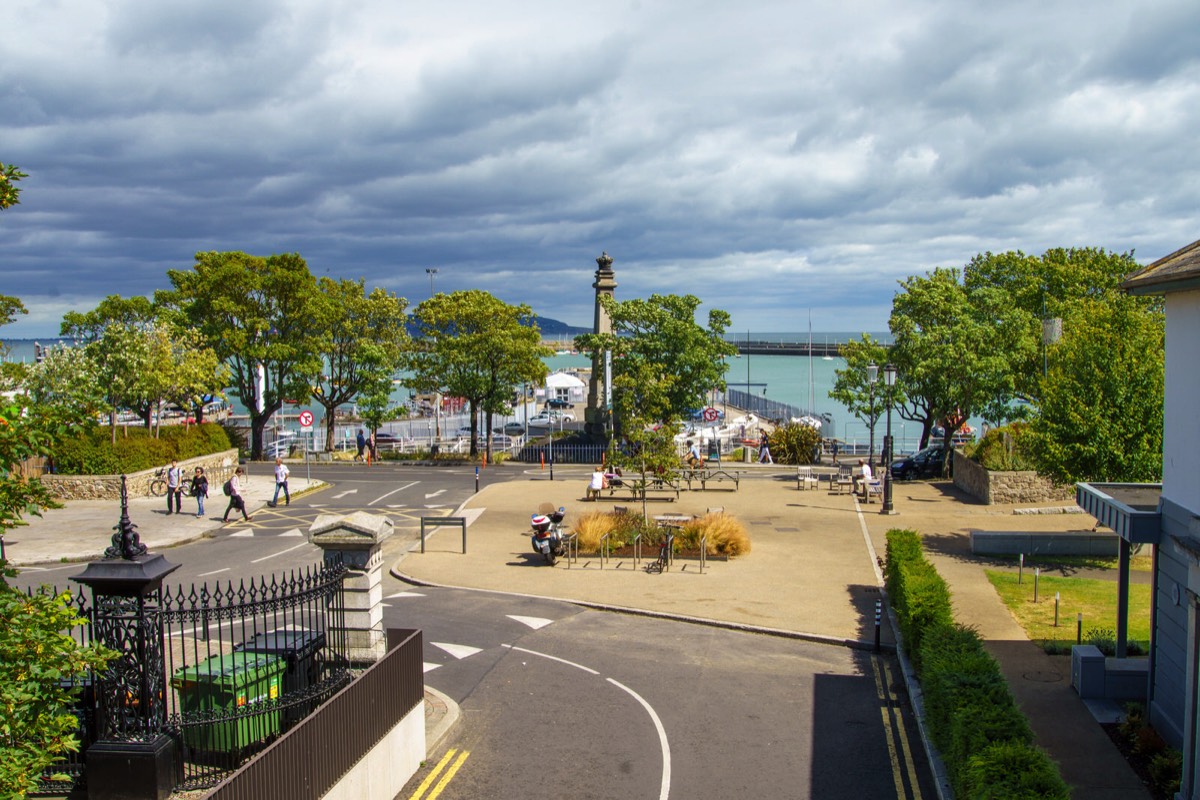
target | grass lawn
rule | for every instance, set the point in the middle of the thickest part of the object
(1095, 599)
(1137, 563)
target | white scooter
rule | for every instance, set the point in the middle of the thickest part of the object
(547, 532)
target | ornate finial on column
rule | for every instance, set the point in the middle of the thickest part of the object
(126, 543)
(604, 262)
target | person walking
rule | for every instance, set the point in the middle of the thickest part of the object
(199, 490)
(236, 500)
(281, 482)
(174, 486)
(361, 441)
(764, 450)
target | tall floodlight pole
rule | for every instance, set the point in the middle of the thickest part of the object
(431, 271)
(889, 380)
(872, 376)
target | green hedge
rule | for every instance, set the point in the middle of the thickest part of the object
(90, 451)
(984, 739)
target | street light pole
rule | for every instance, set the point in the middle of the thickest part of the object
(431, 272)
(872, 376)
(437, 396)
(889, 380)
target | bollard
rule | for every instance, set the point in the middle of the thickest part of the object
(1079, 628)
(542, 459)
(1021, 570)
(1037, 573)
(551, 467)
(878, 622)
(1056, 599)
(477, 480)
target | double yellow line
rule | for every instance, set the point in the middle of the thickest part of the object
(433, 776)
(895, 733)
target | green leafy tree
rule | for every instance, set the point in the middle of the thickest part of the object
(181, 369)
(11, 375)
(853, 389)
(646, 450)
(664, 363)
(36, 654)
(67, 378)
(10, 193)
(86, 327)
(1059, 284)
(474, 346)
(257, 314)
(362, 340)
(957, 352)
(375, 401)
(1101, 415)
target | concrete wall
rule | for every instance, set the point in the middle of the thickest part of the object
(1024, 486)
(217, 466)
(384, 770)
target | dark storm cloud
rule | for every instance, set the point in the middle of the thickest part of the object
(768, 158)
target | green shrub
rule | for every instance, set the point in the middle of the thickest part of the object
(1004, 448)
(795, 444)
(1166, 769)
(1011, 770)
(91, 450)
(972, 717)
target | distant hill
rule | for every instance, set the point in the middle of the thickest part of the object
(554, 329)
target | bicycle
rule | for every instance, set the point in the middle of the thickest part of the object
(158, 484)
(663, 562)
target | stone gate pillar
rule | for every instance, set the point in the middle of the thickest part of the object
(356, 540)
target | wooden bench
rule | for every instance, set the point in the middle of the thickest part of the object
(872, 487)
(805, 479)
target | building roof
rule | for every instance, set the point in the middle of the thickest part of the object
(1130, 509)
(1177, 272)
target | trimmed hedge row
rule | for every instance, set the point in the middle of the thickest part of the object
(92, 452)
(973, 719)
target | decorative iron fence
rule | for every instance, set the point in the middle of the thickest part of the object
(233, 667)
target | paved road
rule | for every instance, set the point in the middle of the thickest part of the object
(563, 702)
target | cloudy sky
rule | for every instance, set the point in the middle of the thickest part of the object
(770, 158)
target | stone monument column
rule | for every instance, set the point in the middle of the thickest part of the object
(598, 415)
(357, 540)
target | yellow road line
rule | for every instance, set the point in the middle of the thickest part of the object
(908, 759)
(888, 731)
(450, 773)
(432, 776)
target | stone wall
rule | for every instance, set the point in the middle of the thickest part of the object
(217, 467)
(1023, 486)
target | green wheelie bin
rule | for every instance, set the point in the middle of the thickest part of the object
(219, 696)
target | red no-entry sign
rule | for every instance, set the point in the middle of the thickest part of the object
(306, 419)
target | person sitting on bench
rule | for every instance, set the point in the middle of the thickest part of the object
(598, 484)
(864, 477)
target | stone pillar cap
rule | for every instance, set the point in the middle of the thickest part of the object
(360, 529)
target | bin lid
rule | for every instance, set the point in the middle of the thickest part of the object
(232, 669)
(283, 642)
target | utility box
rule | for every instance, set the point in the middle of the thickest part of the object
(1087, 671)
(298, 651)
(223, 692)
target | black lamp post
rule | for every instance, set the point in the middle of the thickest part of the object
(889, 380)
(872, 376)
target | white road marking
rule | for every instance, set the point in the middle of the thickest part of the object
(340, 495)
(862, 523)
(665, 787)
(281, 552)
(292, 532)
(536, 623)
(436, 505)
(429, 666)
(247, 534)
(664, 790)
(404, 594)
(392, 492)
(214, 572)
(434, 494)
(459, 651)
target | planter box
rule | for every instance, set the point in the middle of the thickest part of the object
(1023, 486)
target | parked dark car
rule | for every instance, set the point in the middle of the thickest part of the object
(558, 402)
(924, 464)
